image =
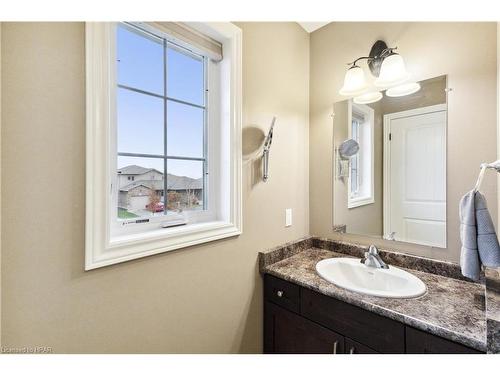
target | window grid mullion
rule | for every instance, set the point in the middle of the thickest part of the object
(205, 134)
(149, 93)
(165, 151)
(153, 156)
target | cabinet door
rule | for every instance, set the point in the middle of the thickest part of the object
(419, 342)
(288, 333)
(380, 333)
(353, 347)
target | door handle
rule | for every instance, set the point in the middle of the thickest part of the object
(351, 351)
(335, 344)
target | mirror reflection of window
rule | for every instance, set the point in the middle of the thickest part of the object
(354, 168)
(360, 187)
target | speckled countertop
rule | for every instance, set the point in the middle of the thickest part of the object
(451, 308)
(493, 309)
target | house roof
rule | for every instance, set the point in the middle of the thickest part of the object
(183, 182)
(173, 183)
(150, 184)
(135, 170)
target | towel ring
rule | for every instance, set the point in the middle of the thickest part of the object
(495, 165)
(480, 177)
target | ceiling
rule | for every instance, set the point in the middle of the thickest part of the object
(312, 26)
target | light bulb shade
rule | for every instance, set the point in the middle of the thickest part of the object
(369, 97)
(402, 90)
(354, 82)
(392, 72)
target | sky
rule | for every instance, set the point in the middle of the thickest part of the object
(141, 117)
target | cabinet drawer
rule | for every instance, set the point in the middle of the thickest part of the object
(282, 293)
(379, 333)
(419, 342)
(353, 347)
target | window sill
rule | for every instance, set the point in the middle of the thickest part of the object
(133, 246)
(360, 201)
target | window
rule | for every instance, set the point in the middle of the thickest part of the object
(163, 137)
(161, 127)
(361, 165)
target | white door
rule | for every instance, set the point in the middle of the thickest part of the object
(417, 176)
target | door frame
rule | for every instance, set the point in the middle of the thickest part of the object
(386, 193)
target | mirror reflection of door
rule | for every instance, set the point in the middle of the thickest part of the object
(415, 176)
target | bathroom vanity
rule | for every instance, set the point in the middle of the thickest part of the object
(304, 313)
(299, 320)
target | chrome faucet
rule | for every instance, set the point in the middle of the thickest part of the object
(372, 259)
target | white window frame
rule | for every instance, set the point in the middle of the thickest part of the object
(105, 246)
(366, 158)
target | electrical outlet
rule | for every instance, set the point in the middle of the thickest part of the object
(288, 217)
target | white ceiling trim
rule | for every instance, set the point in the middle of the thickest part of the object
(312, 26)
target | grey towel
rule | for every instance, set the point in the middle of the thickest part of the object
(477, 233)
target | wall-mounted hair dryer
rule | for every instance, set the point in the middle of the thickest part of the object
(265, 154)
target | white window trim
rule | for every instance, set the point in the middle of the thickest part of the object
(353, 202)
(101, 249)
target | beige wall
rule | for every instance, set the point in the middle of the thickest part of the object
(201, 299)
(430, 50)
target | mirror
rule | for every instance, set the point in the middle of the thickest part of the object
(390, 167)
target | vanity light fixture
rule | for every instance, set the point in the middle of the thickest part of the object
(402, 90)
(392, 72)
(389, 69)
(354, 81)
(369, 97)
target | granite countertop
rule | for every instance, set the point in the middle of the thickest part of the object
(451, 308)
(493, 309)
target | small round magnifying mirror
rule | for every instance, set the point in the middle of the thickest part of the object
(348, 148)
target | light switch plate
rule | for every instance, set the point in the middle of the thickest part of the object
(288, 217)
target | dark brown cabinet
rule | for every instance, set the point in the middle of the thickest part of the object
(418, 342)
(292, 334)
(299, 320)
(353, 347)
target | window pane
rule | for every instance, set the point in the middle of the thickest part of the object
(184, 130)
(140, 60)
(140, 123)
(185, 185)
(354, 174)
(184, 77)
(140, 187)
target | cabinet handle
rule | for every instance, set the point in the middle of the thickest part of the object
(279, 293)
(351, 351)
(335, 344)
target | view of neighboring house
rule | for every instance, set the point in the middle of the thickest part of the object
(142, 188)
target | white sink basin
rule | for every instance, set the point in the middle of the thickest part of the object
(351, 274)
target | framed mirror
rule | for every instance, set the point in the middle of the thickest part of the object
(393, 184)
